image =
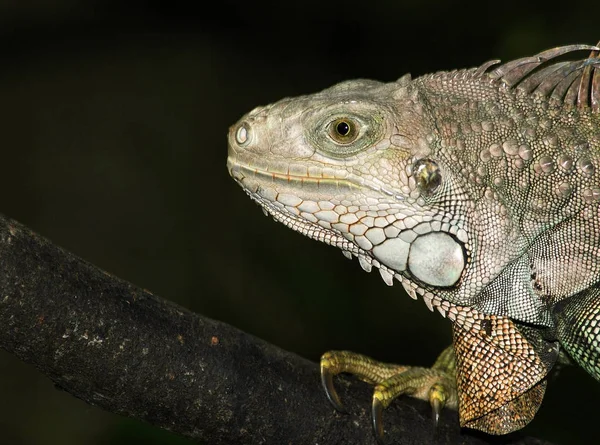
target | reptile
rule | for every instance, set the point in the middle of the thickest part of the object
(479, 191)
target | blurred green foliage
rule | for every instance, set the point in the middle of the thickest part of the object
(113, 118)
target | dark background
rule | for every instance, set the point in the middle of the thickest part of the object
(113, 118)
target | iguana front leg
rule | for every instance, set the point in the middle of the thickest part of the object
(436, 384)
(496, 378)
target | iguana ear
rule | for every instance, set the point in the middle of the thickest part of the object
(500, 374)
(577, 321)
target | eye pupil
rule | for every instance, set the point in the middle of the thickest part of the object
(343, 128)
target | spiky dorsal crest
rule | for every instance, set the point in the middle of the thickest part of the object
(572, 82)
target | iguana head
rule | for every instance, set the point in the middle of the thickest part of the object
(359, 166)
(349, 166)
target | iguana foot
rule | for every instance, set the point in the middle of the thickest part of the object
(436, 384)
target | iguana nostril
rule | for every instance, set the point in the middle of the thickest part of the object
(243, 134)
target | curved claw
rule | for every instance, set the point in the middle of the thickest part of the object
(377, 419)
(329, 388)
(436, 409)
(437, 399)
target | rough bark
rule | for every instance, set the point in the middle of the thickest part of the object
(130, 352)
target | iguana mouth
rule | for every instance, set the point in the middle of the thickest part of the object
(243, 172)
(317, 180)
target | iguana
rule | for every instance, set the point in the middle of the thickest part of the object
(479, 191)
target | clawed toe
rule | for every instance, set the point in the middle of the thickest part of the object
(436, 384)
(328, 369)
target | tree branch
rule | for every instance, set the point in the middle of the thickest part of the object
(130, 352)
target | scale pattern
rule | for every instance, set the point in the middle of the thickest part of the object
(477, 189)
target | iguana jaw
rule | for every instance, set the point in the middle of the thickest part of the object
(326, 213)
(277, 194)
(333, 237)
(279, 206)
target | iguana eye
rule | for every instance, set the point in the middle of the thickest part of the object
(346, 129)
(427, 174)
(343, 130)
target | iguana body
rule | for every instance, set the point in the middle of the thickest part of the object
(478, 190)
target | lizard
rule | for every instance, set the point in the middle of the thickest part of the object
(479, 191)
